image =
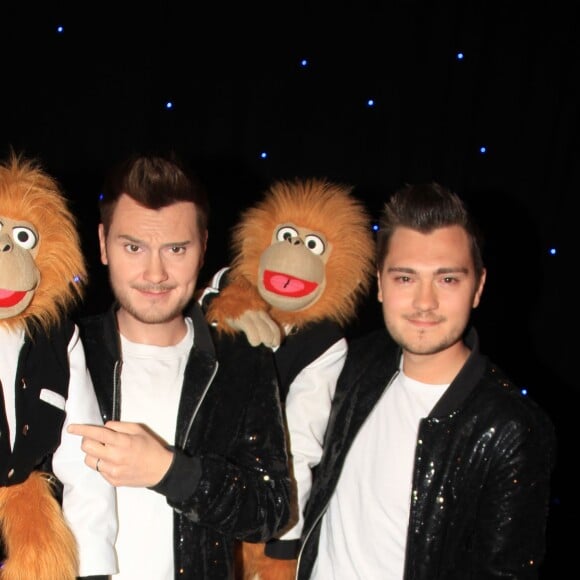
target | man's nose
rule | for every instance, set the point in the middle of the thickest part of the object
(155, 271)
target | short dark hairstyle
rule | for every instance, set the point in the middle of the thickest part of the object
(153, 180)
(425, 207)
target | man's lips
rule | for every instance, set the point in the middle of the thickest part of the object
(10, 298)
(288, 285)
(154, 289)
(424, 322)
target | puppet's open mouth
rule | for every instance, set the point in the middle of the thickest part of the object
(287, 285)
(9, 298)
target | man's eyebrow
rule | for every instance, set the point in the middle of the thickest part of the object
(401, 269)
(129, 238)
(445, 270)
(183, 243)
(135, 240)
(453, 270)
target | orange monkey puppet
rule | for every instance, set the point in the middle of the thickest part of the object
(302, 261)
(42, 272)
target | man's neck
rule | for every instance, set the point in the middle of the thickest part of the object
(166, 333)
(438, 368)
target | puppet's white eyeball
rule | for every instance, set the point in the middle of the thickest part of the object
(24, 237)
(285, 233)
(315, 244)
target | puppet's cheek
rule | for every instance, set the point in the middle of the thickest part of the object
(14, 303)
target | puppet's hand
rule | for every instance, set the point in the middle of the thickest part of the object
(258, 327)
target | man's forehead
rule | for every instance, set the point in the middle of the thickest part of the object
(168, 225)
(447, 247)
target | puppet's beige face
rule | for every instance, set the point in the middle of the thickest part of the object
(292, 273)
(19, 276)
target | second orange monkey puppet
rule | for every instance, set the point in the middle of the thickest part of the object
(302, 260)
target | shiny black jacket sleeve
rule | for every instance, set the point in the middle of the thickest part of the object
(514, 502)
(230, 470)
(481, 482)
(499, 499)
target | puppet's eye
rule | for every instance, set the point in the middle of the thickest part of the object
(24, 237)
(314, 244)
(286, 233)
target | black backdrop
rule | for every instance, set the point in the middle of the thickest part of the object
(81, 99)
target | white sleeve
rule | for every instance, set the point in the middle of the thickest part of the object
(88, 499)
(307, 409)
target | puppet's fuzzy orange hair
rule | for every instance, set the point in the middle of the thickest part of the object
(28, 193)
(255, 565)
(38, 542)
(323, 206)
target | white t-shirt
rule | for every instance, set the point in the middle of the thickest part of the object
(364, 531)
(151, 382)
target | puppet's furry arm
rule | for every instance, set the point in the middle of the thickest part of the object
(239, 306)
(37, 540)
(258, 327)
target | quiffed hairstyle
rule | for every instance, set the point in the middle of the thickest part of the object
(424, 208)
(154, 181)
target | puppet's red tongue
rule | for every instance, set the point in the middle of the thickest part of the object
(287, 285)
(10, 298)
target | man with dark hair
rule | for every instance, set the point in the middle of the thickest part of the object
(435, 465)
(194, 438)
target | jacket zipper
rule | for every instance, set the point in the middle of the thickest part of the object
(196, 410)
(115, 412)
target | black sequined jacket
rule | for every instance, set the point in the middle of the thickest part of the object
(229, 479)
(482, 469)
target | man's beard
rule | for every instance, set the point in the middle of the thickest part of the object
(421, 342)
(152, 313)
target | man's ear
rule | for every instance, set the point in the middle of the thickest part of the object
(479, 290)
(103, 245)
(204, 246)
